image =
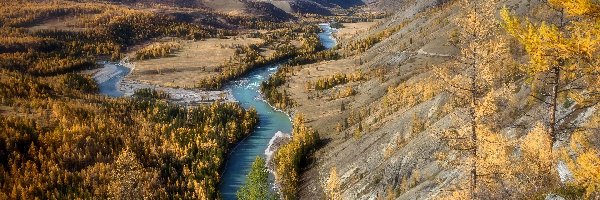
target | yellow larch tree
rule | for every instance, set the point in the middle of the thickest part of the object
(289, 157)
(482, 65)
(563, 56)
(534, 166)
(131, 181)
(332, 187)
(584, 157)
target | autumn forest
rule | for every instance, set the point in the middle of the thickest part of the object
(432, 99)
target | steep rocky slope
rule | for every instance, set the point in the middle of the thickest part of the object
(394, 154)
(396, 5)
(364, 169)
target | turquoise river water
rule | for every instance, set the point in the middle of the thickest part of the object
(246, 92)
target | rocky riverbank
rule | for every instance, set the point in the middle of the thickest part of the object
(112, 80)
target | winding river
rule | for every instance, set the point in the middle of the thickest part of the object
(246, 92)
(109, 78)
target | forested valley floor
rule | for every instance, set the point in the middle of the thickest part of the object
(440, 99)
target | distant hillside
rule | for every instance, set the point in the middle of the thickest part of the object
(321, 7)
(179, 3)
(339, 3)
(232, 7)
(395, 5)
(268, 11)
(270, 8)
(304, 6)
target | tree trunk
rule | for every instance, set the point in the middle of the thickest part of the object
(474, 141)
(474, 126)
(555, 87)
(553, 103)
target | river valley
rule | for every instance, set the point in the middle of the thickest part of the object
(245, 91)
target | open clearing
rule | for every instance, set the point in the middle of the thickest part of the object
(69, 23)
(283, 5)
(232, 7)
(194, 61)
(352, 29)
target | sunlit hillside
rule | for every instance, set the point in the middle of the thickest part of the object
(300, 99)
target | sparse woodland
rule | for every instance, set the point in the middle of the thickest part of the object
(532, 70)
(269, 88)
(556, 55)
(550, 53)
(334, 80)
(363, 45)
(561, 48)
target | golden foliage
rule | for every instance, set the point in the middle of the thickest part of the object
(332, 189)
(289, 157)
(363, 45)
(534, 168)
(14, 13)
(129, 180)
(586, 164)
(58, 140)
(567, 52)
(578, 7)
(334, 80)
(564, 54)
(482, 66)
(249, 57)
(102, 148)
(505, 167)
(157, 50)
(409, 94)
(345, 92)
(418, 124)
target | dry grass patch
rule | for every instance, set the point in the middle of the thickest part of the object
(283, 5)
(70, 23)
(232, 7)
(353, 29)
(194, 61)
(308, 101)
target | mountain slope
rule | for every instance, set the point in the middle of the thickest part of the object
(364, 170)
(386, 139)
(393, 6)
(322, 7)
(241, 6)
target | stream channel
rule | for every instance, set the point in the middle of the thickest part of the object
(246, 92)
